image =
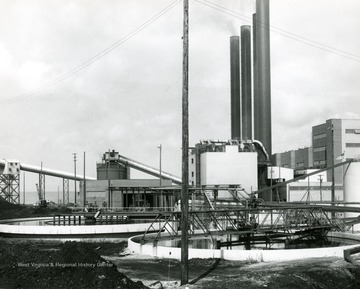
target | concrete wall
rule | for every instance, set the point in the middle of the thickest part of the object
(230, 168)
(280, 173)
(73, 229)
(350, 134)
(242, 255)
(298, 191)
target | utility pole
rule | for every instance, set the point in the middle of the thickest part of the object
(184, 265)
(160, 147)
(333, 169)
(161, 194)
(74, 154)
(320, 178)
(84, 186)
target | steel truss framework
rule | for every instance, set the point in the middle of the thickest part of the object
(65, 191)
(266, 223)
(42, 187)
(10, 187)
(206, 197)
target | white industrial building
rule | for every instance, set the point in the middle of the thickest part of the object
(224, 163)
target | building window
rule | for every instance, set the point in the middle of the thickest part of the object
(319, 149)
(192, 174)
(318, 136)
(352, 130)
(353, 145)
(301, 164)
(319, 163)
(192, 160)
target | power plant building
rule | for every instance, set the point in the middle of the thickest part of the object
(230, 163)
(114, 188)
(333, 142)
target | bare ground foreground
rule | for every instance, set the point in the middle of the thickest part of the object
(312, 273)
(104, 265)
(29, 264)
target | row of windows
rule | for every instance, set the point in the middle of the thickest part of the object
(353, 145)
(318, 136)
(300, 164)
(316, 188)
(352, 130)
(319, 163)
(319, 149)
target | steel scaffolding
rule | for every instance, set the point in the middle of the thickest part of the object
(10, 187)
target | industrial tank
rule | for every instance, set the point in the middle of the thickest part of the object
(352, 186)
(110, 168)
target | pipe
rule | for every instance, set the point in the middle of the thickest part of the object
(45, 171)
(263, 149)
(246, 106)
(149, 170)
(53, 173)
(262, 99)
(235, 86)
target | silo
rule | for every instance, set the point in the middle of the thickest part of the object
(111, 169)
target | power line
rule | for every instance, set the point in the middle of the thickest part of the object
(94, 58)
(282, 32)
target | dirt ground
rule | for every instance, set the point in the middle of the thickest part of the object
(103, 265)
(29, 264)
(26, 264)
(210, 274)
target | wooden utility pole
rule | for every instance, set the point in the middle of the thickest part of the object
(74, 154)
(333, 169)
(84, 186)
(184, 266)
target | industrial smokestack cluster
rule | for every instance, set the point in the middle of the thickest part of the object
(241, 80)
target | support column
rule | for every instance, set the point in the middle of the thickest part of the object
(9, 188)
(41, 187)
(65, 191)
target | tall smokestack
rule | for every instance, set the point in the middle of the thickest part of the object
(246, 106)
(255, 76)
(235, 86)
(262, 98)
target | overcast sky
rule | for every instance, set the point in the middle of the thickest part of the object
(57, 99)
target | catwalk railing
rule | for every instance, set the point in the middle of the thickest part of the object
(267, 221)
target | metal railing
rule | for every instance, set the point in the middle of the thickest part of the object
(121, 209)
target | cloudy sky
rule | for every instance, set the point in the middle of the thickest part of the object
(96, 75)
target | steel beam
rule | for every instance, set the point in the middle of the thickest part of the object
(10, 188)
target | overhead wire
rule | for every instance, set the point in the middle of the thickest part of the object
(157, 16)
(94, 58)
(283, 32)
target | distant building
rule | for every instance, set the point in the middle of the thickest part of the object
(333, 142)
(296, 159)
(114, 188)
(126, 193)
